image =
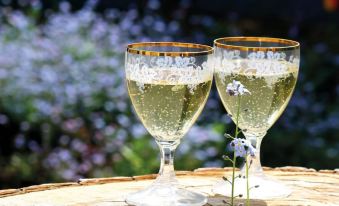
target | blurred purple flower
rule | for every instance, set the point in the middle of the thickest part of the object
(19, 141)
(19, 20)
(98, 159)
(3, 119)
(153, 4)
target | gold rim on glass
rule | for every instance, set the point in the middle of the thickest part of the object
(135, 49)
(224, 43)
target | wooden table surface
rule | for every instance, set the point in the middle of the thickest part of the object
(309, 187)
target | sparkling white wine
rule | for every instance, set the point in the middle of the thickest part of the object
(270, 90)
(168, 109)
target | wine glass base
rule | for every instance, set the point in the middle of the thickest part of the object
(165, 195)
(268, 188)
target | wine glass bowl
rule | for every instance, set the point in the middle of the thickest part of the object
(268, 68)
(168, 84)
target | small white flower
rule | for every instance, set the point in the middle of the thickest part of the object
(242, 147)
(249, 148)
(236, 88)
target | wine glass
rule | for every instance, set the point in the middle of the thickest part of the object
(168, 84)
(268, 68)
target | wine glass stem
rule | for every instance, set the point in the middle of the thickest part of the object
(254, 161)
(166, 172)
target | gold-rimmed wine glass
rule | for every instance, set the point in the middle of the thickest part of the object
(268, 68)
(168, 83)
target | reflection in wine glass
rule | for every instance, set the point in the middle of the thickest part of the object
(168, 84)
(268, 68)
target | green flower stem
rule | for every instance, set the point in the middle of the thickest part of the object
(233, 178)
(237, 119)
(247, 185)
(234, 157)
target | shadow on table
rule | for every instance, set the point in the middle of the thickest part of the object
(221, 201)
